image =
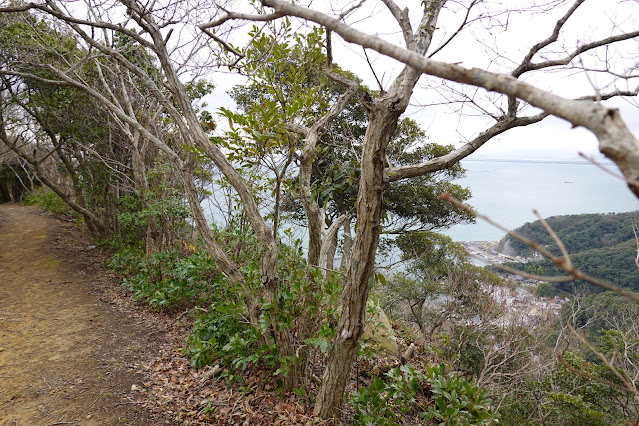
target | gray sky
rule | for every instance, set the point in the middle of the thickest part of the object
(498, 45)
(495, 44)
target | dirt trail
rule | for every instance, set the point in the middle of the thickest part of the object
(67, 355)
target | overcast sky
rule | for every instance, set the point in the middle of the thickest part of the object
(495, 44)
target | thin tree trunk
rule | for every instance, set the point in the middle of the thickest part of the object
(347, 247)
(223, 261)
(17, 175)
(383, 121)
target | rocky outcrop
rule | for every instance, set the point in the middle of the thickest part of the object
(507, 249)
(378, 330)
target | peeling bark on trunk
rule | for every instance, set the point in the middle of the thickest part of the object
(330, 257)
(383, 121)
(307, 322)
(347, 247)
(383, 114)
(329, 244)
(314, 217)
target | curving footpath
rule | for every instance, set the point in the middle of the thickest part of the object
(68, 356)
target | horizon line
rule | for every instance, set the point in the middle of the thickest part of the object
(605, 162)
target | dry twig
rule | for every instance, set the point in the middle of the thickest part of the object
(601, 166)
(564, 263)
(628, 386)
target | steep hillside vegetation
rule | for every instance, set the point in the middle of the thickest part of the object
(602, 245)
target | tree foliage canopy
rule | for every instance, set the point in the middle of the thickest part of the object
(102, 104)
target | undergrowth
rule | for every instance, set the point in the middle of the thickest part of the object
(50, 201)
(433, 396)
(168, 281)
(174, 281)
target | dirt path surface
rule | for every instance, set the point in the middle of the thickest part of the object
(68, 356)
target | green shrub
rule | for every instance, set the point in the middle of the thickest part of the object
(223, 334)
(385, 402)
(50, 201)
(169, 213)
(127, 262)
(219, 333)
(166, 281)
(456, 400)
(170, 282)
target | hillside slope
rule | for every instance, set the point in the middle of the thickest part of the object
(602, 245)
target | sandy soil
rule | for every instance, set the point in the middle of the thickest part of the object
(68, 355)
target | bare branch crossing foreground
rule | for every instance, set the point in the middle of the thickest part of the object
(615, 140)
(562, 262)
(135, 66)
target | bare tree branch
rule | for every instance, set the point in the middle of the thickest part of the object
(446, 161)
(241, 16)
(401, 16)
(458, 31)
(526, 62)
(562, 263)
(615, 140)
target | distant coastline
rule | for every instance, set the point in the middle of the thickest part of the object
(539, 161)
(508, 189)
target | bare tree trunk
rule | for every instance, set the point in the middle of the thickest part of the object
(332, 249)
(9, 188)
(29, 176)
(19, 178)
(329, 243)
(383, 116)
(347, 247)
(142, 187)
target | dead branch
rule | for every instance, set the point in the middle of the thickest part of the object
(562, 262)
(622, 375)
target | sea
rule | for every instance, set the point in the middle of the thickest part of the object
(508, 191)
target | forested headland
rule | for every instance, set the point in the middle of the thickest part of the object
(316, 278)
(601, 245)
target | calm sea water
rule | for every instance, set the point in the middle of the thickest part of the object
(508, 191)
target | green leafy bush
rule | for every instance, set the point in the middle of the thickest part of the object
(220, 334)
(384, 402)
(169, 212)
(165, 280)
(456, 400)
(50, 201)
